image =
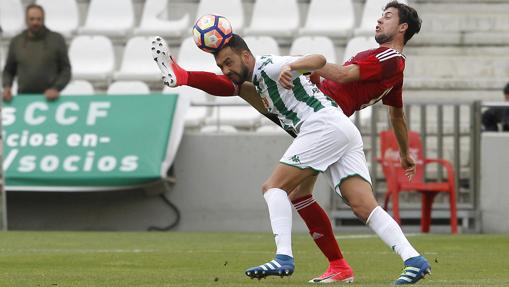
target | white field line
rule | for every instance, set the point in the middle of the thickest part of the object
(359, 236)
(96, 251)
(84, 251)
(126, 251)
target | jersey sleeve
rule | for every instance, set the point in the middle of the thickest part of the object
(395, 97)
(273, 69)
(377, 67)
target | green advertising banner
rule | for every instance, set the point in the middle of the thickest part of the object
(87, 142)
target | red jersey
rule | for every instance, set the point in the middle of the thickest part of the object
(381, 78)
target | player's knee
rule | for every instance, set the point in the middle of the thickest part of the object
(266, 186)
(270, 185)
(361, 211)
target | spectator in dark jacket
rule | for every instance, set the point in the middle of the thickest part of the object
(495, 116)
(38, 58)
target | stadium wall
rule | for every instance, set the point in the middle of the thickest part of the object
(218, 188)
(494, 195)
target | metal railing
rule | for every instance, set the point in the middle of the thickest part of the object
(443, 128)
(449, 130)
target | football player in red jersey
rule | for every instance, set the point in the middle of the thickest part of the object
(377, 74)
(368, 77)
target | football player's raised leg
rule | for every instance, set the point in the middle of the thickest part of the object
(275, 190)
(173, 75)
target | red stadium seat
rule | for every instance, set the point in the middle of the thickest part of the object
(397, 181)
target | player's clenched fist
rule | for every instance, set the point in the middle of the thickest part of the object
(285, 77)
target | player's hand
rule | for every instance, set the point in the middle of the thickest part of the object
(408, 164)
(51, 94)
(285, 77)
(7, 95)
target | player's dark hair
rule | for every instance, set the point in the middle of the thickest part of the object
(237, 44)
(407, 15)
(34, 6)
(506, 89)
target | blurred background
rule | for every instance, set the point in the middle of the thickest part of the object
(456, 68)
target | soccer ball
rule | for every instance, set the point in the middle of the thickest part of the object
(212, 32)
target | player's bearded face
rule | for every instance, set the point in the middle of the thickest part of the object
(232, 66)
(244, 73)
(387, 26)
(238, 73)
(383, 38)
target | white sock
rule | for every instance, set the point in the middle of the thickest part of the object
(389, 231)
(280, 211)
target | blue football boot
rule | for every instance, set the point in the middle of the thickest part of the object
(415, 269)
(282, 265)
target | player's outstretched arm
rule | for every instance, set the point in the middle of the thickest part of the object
(303, 65)
(398, 122)
(340, 74)
(308, 63)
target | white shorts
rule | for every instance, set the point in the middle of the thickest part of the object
(329, 142)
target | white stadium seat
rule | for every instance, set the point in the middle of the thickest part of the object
(243, 116)
(262, 45)
(78, 88)
(191, 58)
(111, 18)
(358, 44)
(154, 21)
(137, 62)
(195, 116)
(91, 57)
(264, 21)
(128, 88)
(218, 129)
(231, 9)
(11, 17)
(268, 127)
(314, 45)
(330, 18)
(373, 10)
(61, 15)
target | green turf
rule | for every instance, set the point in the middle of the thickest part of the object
(219, 259)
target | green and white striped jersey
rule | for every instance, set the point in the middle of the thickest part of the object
(292, 106)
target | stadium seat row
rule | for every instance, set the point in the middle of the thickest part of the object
(116, 18)
(92, 57)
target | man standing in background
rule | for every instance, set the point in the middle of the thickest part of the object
(38, 58)
(495, 116)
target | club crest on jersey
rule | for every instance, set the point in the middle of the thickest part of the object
(266, 60)
(295, 159)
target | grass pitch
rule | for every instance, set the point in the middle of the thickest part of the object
(219, 259)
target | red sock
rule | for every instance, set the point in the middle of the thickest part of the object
(216, 85)
(319, 226)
